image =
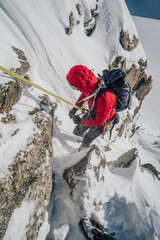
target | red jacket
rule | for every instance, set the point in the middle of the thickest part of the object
(83, 79)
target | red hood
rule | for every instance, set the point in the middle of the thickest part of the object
(82, 78)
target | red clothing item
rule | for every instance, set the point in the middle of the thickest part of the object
(83, 79)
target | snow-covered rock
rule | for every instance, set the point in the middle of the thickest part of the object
(85, 175)
(125, 160)
(10, 93)
(23, 184)
(28, 179)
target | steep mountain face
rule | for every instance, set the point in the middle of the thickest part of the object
(48, 39)
(91, 19)
(28, 180)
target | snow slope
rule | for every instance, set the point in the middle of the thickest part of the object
(148, 135)
(149, 33)
(38, 28)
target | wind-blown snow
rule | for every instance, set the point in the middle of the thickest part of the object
(38, 28)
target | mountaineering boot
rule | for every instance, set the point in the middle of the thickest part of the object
(92, 134)
(82, 147)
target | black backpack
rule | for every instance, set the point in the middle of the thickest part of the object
(118, 83)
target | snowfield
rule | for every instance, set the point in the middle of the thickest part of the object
(127, 202)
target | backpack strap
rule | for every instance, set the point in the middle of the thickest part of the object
(93, 94)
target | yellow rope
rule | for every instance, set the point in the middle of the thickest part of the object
(111, 144)
(36, 86)
(52, 94)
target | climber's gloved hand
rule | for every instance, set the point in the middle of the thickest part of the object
(76, 119)
(72, 112)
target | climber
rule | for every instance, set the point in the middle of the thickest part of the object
(101, 111)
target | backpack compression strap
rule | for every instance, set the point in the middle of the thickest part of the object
(93, 94)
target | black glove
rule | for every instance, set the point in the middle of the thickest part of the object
(76, 119)
(72, 112)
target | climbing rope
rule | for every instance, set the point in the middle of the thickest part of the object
(38, 87)
(52, 94)
(112, 145)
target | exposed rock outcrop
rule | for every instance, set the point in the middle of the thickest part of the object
(152, 169)
(125, 160)
(23, 69)
(29, 177)
(89, 25)
(10, 93)
(140, 84)
(71, 24)
(79, 9)
(10, 118)
(144, 88)
(78, 174)
(20, 54)
(136, 75)
(125, 122)
(94, 11)
(126, 42)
